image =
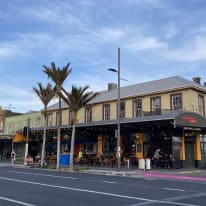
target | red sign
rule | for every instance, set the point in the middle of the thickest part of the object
(191, 120)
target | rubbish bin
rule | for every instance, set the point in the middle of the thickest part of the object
(64, 160)
(141, 164)
(148, 164)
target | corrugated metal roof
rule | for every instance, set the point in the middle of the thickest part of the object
(156, 86)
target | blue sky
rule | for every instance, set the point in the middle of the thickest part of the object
(158, 38)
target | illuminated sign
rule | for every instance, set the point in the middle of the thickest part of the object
(189, 119)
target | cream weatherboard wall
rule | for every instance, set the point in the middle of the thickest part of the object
(97, 112)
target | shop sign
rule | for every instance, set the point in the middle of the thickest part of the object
(192, 128)
(189, 119)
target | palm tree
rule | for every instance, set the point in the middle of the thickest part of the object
(76, 99)
(45, 95)
(58, 76)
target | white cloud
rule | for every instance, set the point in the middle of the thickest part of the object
(108, 34)
(153, 3)
(8, 49)
(145, 43)
(23, 44)
(171, 31)
(59, 13)
(193, 50)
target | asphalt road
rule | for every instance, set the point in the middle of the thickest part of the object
(32, 187)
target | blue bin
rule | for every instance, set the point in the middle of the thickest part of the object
(64, 159)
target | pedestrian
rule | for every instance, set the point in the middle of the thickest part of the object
(156, 157)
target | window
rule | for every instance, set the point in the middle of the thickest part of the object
(201, 105)
(203, 144)
(71, 113)
(122, 109)
(90, 148)
(176, 101)
(49, 119)
(106, 112)
(156, 105)
(57, 118)
(137, 108)
(88, 114)
(108, 144)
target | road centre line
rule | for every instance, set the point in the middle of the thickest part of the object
(40, 174)
(174, 189)
(95, 192)
(109, 182)
(16, 201)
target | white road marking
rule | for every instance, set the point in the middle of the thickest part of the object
(16, 201)
(40, 174)
(96, 192)
(109, 182)
(175, 189)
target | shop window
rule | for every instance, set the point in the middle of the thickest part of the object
(88, 114)
(89, 148)
(106, 112)
(203, 144)
(176, 101)
(137, 108)
(109, 144)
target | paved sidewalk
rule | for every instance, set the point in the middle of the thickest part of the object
(182, 174)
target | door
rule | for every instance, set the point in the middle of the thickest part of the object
(189, 155)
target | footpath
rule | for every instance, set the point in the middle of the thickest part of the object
(181, 174)
(190, 174)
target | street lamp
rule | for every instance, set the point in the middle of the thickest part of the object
(118, 111)
(27, 140)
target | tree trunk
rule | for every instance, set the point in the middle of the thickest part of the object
(58, 134)
(72, 147)
(44, 137)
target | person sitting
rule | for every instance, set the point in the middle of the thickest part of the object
(156, 157)
(80, 156)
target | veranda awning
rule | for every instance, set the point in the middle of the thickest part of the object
(19, 138)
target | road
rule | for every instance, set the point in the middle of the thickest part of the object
(33, 187)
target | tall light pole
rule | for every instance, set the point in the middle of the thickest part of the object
(27, 142)
(118, 111)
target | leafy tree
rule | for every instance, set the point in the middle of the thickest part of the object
(76, 99)
(45, 95)
(58, 76)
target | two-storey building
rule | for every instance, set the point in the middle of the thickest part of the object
(167, 113)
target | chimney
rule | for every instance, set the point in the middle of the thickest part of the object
(112, 86)
(196, 80)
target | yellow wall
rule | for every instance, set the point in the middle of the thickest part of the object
(81, 116)
(129, 108)
(97, 112)
(65, 116)
(100, 145)
(197, 147)
(190, 103)
(182, 148)
(139, 141)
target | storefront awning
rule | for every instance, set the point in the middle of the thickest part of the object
(19, 138)
(190, 120)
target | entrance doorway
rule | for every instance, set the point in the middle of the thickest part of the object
(189, 155)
